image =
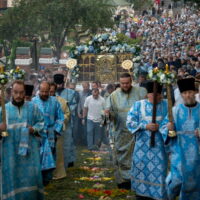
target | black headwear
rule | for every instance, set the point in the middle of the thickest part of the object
(149, 87)
(58, 78)
(186, 84)
(29, 90)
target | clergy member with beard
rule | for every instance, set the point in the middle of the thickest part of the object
(118, 105)
(60, 171)
(149, 164)
(21, 169)
(53, 123)
(183, 180)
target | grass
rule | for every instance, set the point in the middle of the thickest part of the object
(68, 188)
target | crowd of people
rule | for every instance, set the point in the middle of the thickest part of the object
(45, 122)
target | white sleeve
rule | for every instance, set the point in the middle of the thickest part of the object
(86, 102)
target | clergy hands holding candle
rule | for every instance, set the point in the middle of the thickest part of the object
(3, 127)
(152, 127)
(170, 126)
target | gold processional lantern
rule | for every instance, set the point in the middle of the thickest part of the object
(70, 64)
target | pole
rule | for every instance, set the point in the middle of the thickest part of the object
(152, 139)
(170, 114)
(3, 107)
(35, 54)
(169, 98)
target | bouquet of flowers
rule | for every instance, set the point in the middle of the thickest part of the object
(104, 43)
(17, 74)
(4, 77)
(163, 77)
(155, 74)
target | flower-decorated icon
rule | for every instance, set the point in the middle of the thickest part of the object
(17, 74)
(71, 63)
(127, 64)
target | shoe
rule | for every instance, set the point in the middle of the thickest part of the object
(71, 164)
(125, 185)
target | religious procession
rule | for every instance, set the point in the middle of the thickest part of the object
(111, 114)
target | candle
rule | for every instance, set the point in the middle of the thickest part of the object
(18, 68)
(155, 70)
(1, 69)
(167, 68)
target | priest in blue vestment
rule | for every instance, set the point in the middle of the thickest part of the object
(71, 98)
(20, 157)
(183, 180)
(149, 164)
(53, 123)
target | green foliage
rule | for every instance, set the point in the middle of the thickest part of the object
(33, 18)
(125, 39)
(140, 5)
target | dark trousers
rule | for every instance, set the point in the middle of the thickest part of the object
(47, 176)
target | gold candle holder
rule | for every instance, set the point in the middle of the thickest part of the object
(4, 134)
(172, 134)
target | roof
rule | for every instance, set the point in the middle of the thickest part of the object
(46, 51)
(23, 50)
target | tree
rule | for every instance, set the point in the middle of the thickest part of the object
(31, 18)
(141, 5)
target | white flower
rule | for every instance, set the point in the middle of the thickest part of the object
(134, 59)
(1, 76)
(86, 50)
(172, 75)
(100, 39)
(102, 47)
(162, 78)
(117, 49)
(168, 81)
(90, 42)
(138, 58)
(150, 74)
